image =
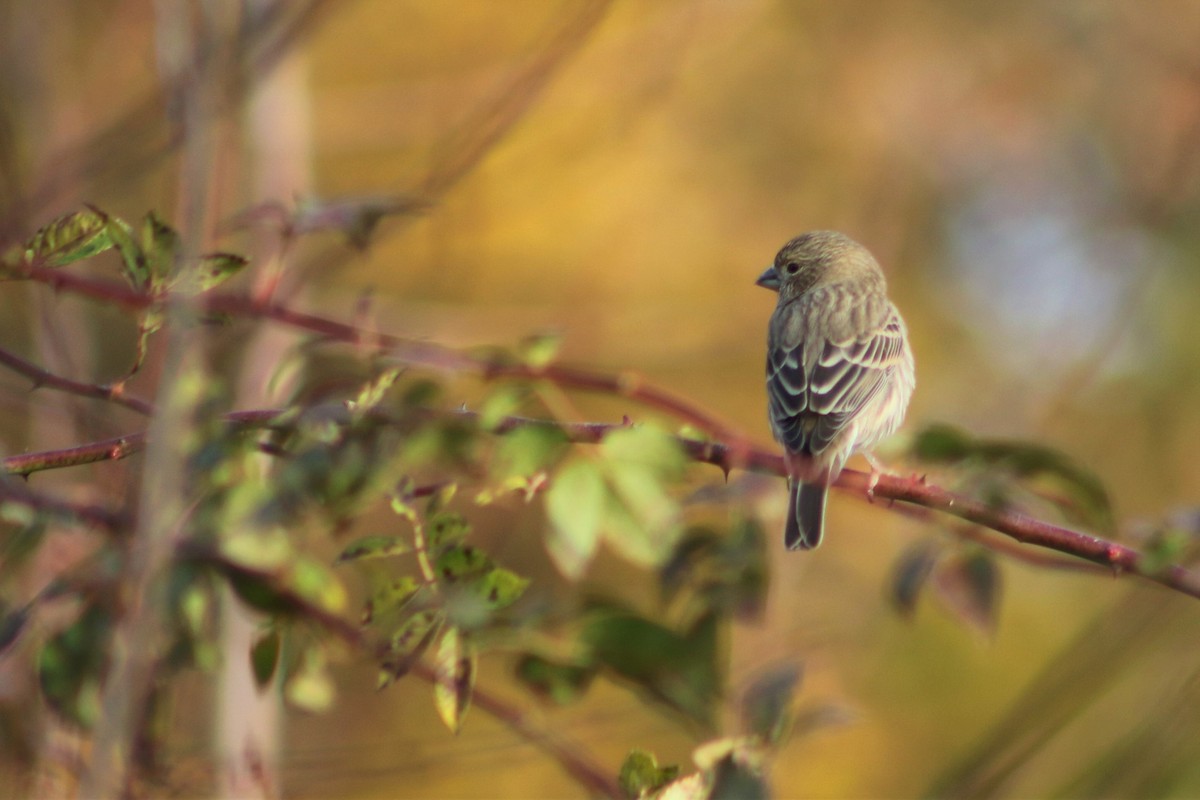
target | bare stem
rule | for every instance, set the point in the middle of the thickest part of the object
(41, 377)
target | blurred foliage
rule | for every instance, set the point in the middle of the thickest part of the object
(343, 446)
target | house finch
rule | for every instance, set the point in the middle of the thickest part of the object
(839, 368)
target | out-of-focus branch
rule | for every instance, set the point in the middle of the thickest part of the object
(570, 756)
(43, 378)
(480, 132)
(424, 354)
(142, 136)
(16, 493)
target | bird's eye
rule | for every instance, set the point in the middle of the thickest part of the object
(792, 268)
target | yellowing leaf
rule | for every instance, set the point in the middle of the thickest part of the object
(373, 547)
(70, 238)
(455, 668)
(641, 775)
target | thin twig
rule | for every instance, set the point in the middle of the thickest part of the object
(409, 351)
(42, 377)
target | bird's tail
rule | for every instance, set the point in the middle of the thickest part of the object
(806, 515)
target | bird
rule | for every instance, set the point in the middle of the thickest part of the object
(840, 370)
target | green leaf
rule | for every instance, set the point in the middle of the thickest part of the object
(1086, 498)
(639, 463)
(70, 238)
(641, 775)
(455, 669)
(208, 272)
(526, 450)
(258, 592)
(441, 497)
(648, 446)
(258, 549)
(391, 596)
(681, 670)
(1077, 491)
(766, 705)
(970, 587)
(445, 529)
(379, 546)
(70, 663)
(940, 443)
(160, 246)
(458, 562)
(727, 572)
(133, 259)
(501, 403)
(558, 682)
(371, 395)
(645, 523)
(539, 350)
(316, 584)
(264, 657)
(910, 574)
(1164, 548)
(311, 688)
(500, 588)
(472, 588)
(575, 505)
(410, 640)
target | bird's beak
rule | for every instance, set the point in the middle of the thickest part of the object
(769, 279)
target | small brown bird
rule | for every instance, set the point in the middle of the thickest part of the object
(839, 368)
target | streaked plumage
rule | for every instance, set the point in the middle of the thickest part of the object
(839, 368)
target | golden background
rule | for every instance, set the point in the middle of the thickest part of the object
(1026, 172)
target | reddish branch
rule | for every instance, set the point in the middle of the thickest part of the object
(1022, 528)
(423, 354)
(738, 453)
(41, 377)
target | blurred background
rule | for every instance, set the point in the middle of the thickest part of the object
(1027, 173)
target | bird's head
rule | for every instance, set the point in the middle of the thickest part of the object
(818, 258)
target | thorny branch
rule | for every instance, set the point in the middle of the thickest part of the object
(735, 451)
(1024, 529)
(729, 450)
(41, 377)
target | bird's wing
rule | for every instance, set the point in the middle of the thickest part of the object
(815, 388)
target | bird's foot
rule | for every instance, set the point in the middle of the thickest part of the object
(877, 471)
